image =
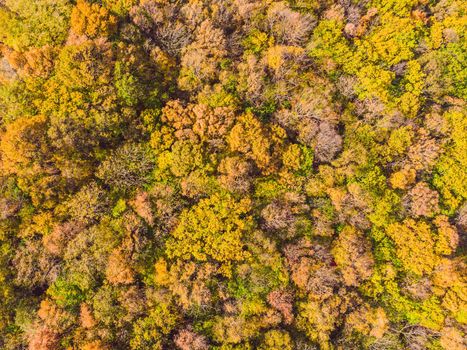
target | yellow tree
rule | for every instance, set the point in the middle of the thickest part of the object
(215, 228)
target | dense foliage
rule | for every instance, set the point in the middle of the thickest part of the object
(233, 174)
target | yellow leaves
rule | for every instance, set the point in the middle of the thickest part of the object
(120, 7)
(291, 157)
(436, 35)
(399, 140)
(298, 158)
(403, 178)
(318, 185)
(86, 65)
(449, 284)
(214, 228)
(329, 43)
(374, 82)
(418, 247)
(92, 20)
(186, 280)
(25, 23)
(276, 340)
(455, 300)
(94, 345)
(393, 41)
(398, 7)
(248, 136)
(161, 274)
(162, 138)
(337, 196)
(277, 56)
(318, 318)
(414, 83)
(451, 177)
(41, 224)
(258, 41)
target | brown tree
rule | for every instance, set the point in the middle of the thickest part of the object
(186, 339)
(44, 339)
(118, 270)
(352, 253)
(423, 201)
(282, 301)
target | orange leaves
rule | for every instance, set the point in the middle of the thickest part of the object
(24, 147)
(92, 20)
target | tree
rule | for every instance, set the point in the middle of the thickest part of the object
(215, 228)
(34, 267)
(367, 321)
(275, 340)
(44, 339)
(451, 338)
(186, 339)
(289, 27)
(187, 281)
(86, 318)
(352, 253)
(235, 174)
(450, 178)
(282, 301)
(25, 24)
(423, 201)
(328, 143)
(151, 330)
(317, 318)
(54, 317)
(142, 206)
(209, 124)
(56, 241)
(81, 101)
(87, 205)
(249, 137)
(24, 147)
(185, 156)
(127, 167)
(312, 269)
(285, 214)
(35, 62)
(200, 60)
(118, 271)
(415, 245)
(92, 20)
(403, 178)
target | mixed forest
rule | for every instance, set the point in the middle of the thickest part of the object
(233, 174)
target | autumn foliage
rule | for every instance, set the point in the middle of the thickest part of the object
(233, 174)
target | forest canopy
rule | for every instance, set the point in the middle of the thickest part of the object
(233, 174)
